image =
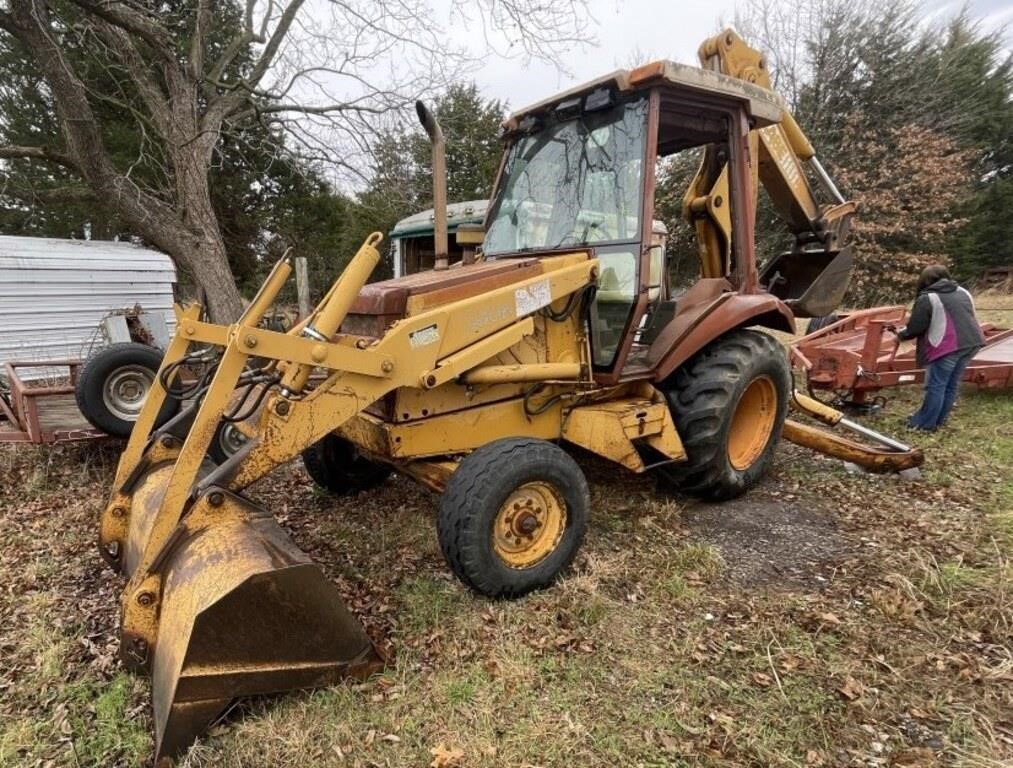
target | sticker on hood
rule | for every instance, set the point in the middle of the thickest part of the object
(533, 297)
(423, 337)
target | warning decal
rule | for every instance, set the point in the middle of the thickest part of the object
(423, 337)
(533, 298)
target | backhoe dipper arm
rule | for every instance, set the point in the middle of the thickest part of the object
(782, 152)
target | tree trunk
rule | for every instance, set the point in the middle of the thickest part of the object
(186, 229)
(201, 251)
(193, 242)
(191, 147)
(191, 153)
(209, 265)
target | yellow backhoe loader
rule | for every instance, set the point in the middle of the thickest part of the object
(470, 379)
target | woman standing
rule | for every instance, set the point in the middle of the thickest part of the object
(949, 335)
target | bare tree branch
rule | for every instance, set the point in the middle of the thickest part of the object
(133, 20)
(273, 44)
(246, 36)
(73, 194)
(121, 47)
(11, 152)
(198, 42)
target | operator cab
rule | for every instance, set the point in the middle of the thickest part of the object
(579, 175)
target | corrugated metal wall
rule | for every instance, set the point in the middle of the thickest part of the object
(55, 293)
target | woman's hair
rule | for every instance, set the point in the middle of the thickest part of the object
(931, 275)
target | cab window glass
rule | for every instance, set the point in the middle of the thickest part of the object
(613, 302)
(572, 183)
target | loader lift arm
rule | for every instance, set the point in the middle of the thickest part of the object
(780, 154)
(201, 557)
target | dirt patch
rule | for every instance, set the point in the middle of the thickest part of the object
(772, 542)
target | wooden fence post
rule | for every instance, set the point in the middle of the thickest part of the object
(302, 286)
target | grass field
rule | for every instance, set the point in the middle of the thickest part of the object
(825, 619)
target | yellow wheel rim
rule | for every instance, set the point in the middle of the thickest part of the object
(529, 525)
(752, 423)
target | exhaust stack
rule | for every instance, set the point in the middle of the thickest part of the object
(432, 127)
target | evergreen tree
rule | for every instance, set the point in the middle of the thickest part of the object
(866, 79)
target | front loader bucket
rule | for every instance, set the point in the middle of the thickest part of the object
(239, 610)
(219, 602)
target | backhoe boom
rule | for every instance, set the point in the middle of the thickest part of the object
(782, 155)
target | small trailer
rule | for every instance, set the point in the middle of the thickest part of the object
(59, 301)
(856, 356)
(39, 412)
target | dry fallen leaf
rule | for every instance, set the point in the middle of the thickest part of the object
(914, 757)
(445, 757)
(762, 679)
(668, 743)
(852, 689)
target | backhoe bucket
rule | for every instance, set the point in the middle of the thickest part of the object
(811, 283)
(241, 611)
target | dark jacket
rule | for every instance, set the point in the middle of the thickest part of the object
(943, 321)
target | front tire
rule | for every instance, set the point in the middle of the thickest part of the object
(513, 516)
(336, 465)
(729, 404)
(228, 439)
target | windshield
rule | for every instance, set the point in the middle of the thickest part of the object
(573, 183)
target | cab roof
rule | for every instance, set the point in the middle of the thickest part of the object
(761, 104)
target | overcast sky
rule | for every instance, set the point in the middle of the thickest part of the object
(659, 29)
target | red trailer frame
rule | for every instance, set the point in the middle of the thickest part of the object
(856, 356)
(25, 403)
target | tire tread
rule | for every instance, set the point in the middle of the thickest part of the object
(473, 486)
(91, 380)
(700, 395)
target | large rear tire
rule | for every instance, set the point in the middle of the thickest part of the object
(336, 465)
(113, 384)
(513, 516)
(729, 404)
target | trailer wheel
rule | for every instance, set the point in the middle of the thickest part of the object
(336, 465)
(819, 323)
(113, 384)
(728, 403)
(513, 516)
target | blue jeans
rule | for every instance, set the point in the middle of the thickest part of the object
(942, 380)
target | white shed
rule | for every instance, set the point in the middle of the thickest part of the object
(54, 294)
